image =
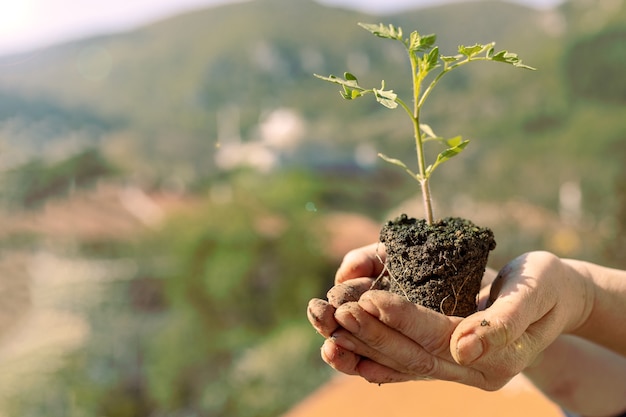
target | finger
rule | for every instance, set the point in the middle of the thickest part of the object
(430, 329)
(322, 316)
(517, 303)
(501, 366)
(321, 313)
(349, 363)
(348, 291)
(363, 262)
(339, 358)
(371, 338)
(488, 331)
(376, 373)
(348, 341)
(382, 345)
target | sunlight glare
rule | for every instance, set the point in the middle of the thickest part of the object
(15, 17)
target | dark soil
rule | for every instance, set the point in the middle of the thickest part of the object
(439, 266)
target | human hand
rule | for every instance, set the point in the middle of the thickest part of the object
(343, 310)
(384, 338)
(354, 277)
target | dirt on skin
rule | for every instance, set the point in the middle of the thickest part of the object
(439, 266)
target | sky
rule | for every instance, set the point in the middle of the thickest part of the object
(30, 24)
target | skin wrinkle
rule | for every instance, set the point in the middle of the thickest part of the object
(535, 298)
(358, 263)
(320, 314)
(461, 357)
(372, 372)
(589, 293)
(356, 321)
(423, 368)
(365, 348)
(343, 293)
(399, 317)
(502, 332)
(506, 329)
(564, 385)
(330, 352)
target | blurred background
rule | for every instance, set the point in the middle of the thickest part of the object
(175, 184)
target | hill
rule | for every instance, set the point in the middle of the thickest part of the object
(162, 100)
(173, 187)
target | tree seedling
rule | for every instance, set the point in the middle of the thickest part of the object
(428, 67)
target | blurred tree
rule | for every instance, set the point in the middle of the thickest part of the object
(229, 336)
(33, 183)
(591, 61)
(615, 248)
(238, 273)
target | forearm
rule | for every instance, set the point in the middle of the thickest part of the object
(604, 324)
(581, 376)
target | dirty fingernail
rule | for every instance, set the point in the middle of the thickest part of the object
(469, 348)
(328, 350)
(343, 342)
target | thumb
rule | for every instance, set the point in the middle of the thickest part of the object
(485, 332)
(514, 306)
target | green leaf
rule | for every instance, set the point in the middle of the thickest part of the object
(393, 161)
(350, 77)
(470, 51)
(421, 43)
(386, 97)
(428, 62)
(398, 163)
(350, 85)
(428, 131)
(349, 93)
(508, 58)
(382, 31)
(428, 41)
(351, 80)
(414, 41)
(455, 141)
(447, 154)
(433, 58)
(450, 59)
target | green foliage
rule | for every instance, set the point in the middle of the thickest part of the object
(231, 338)
(590, 62)
(615, 246)
(173, 360)
(61, 118)
(247, 270)
(36, 181)
(215, 71)
(422, 66)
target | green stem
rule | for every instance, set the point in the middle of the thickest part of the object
(428, 202)
(439, 76)
(419, 142)
(432, 85)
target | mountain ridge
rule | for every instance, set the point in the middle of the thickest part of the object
(159, 90)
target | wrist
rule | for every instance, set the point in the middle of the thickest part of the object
(579, 280)
(602, 321)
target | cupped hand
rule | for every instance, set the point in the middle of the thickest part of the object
(384, 338)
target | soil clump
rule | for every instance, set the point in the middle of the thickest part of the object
(439, 266)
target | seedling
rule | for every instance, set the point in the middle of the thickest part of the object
(428, 67)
